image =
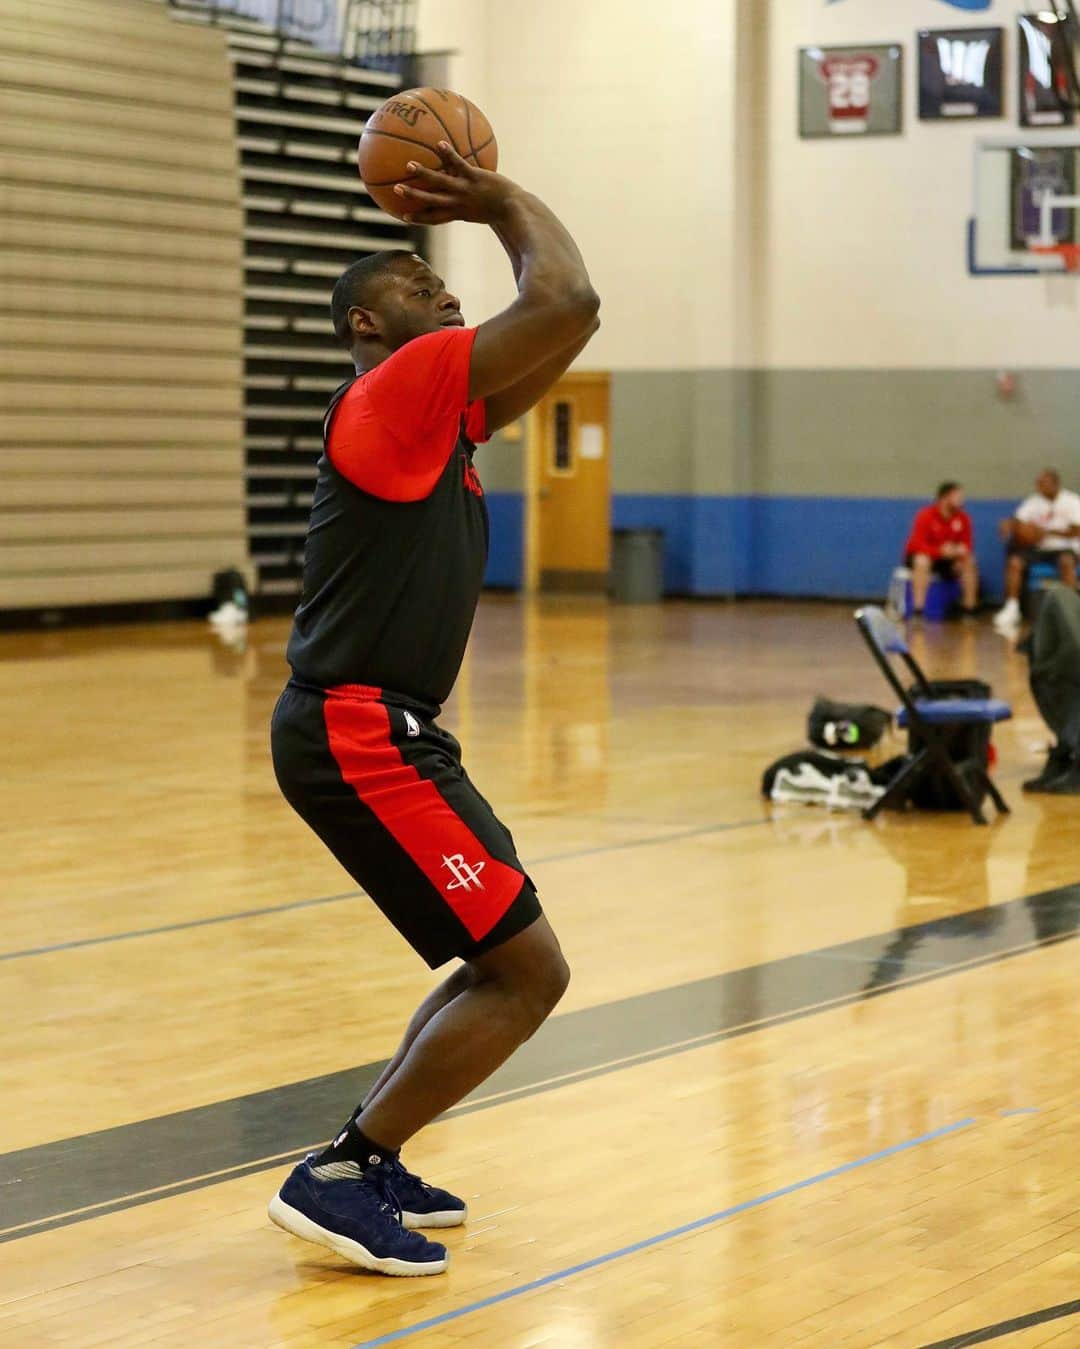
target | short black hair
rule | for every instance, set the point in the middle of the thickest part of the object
(353, 288)
(946, 488)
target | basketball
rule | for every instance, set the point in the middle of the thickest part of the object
(1026, 535)
(408, 127)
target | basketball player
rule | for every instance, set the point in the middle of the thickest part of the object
(393, 566)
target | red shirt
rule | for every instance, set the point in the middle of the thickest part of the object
(397, 425)
(932, 529)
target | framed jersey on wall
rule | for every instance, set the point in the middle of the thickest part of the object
(850, 91)
(1044, 78)
(960, 72)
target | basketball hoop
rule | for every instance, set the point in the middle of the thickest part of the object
(1068, 253)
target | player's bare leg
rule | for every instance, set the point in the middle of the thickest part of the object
(516, 986)
(461, 979)
(1067, 567)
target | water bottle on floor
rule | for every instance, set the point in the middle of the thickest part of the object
(896, 602)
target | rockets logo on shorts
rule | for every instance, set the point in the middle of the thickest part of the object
(465, 876)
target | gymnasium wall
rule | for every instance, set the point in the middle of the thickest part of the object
(797, 352)
(121, 451)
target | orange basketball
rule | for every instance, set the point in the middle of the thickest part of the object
(1026, 535)
(408, 127)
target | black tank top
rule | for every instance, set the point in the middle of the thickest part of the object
(390, 588)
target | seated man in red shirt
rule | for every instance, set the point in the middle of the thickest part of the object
(941, 542)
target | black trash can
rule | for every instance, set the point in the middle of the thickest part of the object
(637, 566)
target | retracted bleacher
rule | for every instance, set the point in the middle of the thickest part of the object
(299, 115)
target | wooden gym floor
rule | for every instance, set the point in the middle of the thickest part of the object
(815, 1082)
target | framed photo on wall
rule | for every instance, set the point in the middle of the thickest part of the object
(1034, 170)
(960, 72)
(1044, 79)
(850, 91)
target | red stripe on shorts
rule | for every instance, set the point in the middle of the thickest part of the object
(478, 887)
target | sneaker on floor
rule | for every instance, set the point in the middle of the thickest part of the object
(1008, 616)
(422, 1205)
(1058, 762)
(356, 1214)
(1065, 784)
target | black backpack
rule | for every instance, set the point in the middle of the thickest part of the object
(967, 742)
(845, 725)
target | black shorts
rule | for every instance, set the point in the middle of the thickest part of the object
(384, 789)
(1046, 557)
(940, 566)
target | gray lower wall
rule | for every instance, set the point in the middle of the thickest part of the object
(871, 433)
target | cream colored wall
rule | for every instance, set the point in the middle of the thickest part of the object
(619, 114)
(865, 262)
(667, 138)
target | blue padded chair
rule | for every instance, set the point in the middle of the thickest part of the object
(926, 715)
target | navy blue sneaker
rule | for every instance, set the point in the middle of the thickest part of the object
(422, 1205)
(355, 1214)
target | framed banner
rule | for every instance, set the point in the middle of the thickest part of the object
(960, 72)
(1044, 78)
(850, 91)
(1034, 170)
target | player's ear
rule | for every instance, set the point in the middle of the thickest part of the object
(363, 323)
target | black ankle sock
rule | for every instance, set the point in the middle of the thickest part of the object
(352, 1145)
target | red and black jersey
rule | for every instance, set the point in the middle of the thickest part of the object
(398, 537)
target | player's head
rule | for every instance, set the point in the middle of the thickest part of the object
(1048, 483)
(389, 298)
(950, 497)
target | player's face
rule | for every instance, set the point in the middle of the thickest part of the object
(416, 302)
(953, 501)
(1047, 485)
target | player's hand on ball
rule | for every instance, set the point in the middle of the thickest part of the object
(457, 191)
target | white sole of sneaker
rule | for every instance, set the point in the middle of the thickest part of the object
(292, 1220)
(449, 1217)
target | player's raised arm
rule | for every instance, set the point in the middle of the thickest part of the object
(556, 305)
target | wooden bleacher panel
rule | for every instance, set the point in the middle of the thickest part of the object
(121, 306)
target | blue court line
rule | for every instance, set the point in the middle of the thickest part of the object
(77, 944)
(1020, 1110)
(670, 1235)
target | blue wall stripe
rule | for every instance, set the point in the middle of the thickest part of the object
(809, 546)
(506, 554)
(406, 1331)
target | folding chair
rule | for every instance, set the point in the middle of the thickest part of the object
(927, 716)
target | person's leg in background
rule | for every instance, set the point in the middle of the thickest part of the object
(1009, 615)
(967, 571)
(921, 571)
(1067, 567)
(1055, 686)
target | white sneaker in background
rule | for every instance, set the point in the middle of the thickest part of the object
(1009, 616)
(228, 615)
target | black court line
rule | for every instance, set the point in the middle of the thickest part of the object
(1010, 1327)
(80, 942)
(82, 1177)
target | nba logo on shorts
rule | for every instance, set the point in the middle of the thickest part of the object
(465, 876)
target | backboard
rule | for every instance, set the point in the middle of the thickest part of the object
(1026, 196)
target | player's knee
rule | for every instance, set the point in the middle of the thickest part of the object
(920, 562)
(538, 993)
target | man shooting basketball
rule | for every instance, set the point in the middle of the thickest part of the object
(393, 567)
